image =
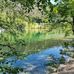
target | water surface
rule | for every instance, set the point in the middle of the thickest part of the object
(36, 63)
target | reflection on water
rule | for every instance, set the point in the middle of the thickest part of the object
(36, 63)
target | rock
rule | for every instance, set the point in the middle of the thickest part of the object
(67, 72)
(71, 61)
(51, 69)
(23, 73)
(67, 68)
(61, 67)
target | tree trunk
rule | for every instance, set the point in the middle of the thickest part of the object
(73, 25)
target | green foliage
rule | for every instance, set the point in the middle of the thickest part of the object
(62, 60)
(19, 33)
(14, 23)
(64, 8)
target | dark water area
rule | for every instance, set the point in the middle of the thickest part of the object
(36, 63)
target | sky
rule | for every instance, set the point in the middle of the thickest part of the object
(55, 2)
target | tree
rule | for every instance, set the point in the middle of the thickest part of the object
(64, 8)
(9, 14)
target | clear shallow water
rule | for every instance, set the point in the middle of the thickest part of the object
(36, 63)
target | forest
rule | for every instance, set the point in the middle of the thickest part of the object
(36, 36)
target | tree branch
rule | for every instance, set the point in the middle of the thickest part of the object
(7, 45)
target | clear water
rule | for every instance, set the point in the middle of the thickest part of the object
(36, 63)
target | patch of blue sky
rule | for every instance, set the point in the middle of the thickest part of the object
(55, 2)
